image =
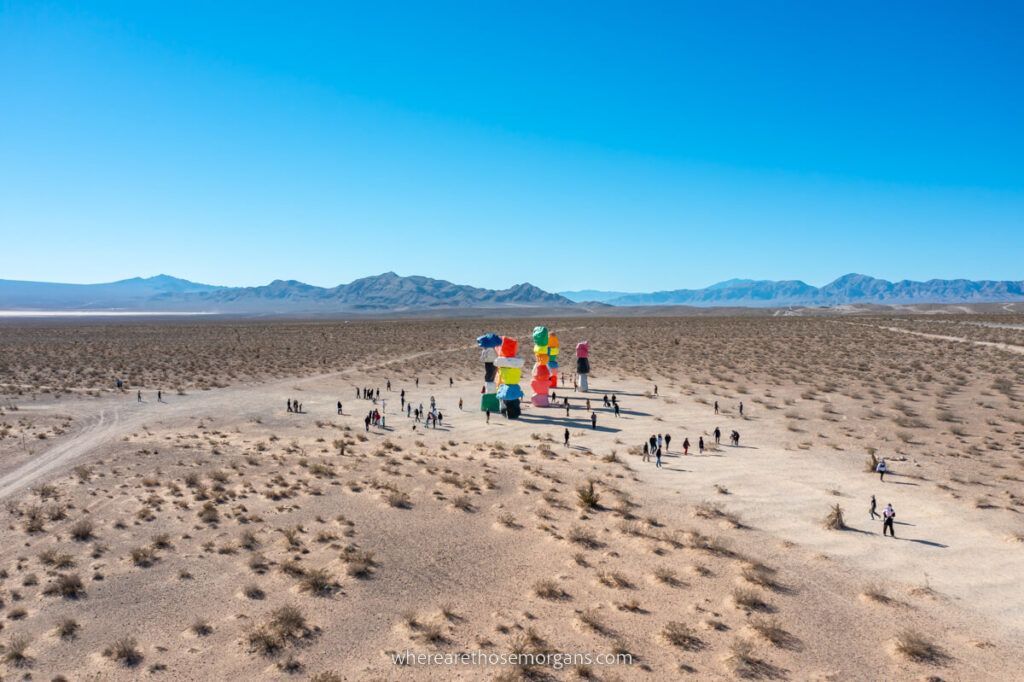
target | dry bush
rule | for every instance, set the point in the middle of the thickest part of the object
(124, 651)
(772, 631)
(358, 563)
(583, 536)
(548, 589)
(67, 628)
(16, 652)
(587, 497)
(82, 530)
(67, 585)
(749, 599)
(317, 581)
(914, 646)
(679, 635)
(834, 519)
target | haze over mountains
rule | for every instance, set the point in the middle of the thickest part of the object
(848, 289)
(390, 292)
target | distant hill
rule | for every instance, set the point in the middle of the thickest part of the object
(382, 293)
(848, 289)
(593, 295)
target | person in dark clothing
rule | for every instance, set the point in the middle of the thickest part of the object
(451, 382)
(686, 446)
(716, 407)
(159, 396)
(289, 404)
(741, 409)
(139, 396)
(488, 416)
(653, 440)
(567, 437)
(718, 435)
(339, 407)
(700, 445)
(735, 437)
(366, 421)
(616, 409)
(607, 403)
(657, 458)
(888, 517)
(647, 453)
(668, 440)
(593, 420)
(873, 509)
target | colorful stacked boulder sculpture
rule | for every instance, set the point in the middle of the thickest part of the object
(510, 372)
(553, 359)
(541, 371)
(583, 363)
(489, 344)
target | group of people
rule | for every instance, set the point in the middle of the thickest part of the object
(370, 393)
(296, 406)
(374, 418)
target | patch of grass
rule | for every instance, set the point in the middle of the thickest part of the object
(82, 530)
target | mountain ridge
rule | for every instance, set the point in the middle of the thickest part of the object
(390, 292)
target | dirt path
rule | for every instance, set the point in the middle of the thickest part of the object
(959, 339)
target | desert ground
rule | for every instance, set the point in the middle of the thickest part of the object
(214, 535)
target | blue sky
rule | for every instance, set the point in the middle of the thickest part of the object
(626, 146)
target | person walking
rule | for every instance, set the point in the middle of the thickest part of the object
(653, 440)
(607, 403)
(593, 420)
(888, 517)
(661, 440)
(616, 408)
(668, 439)
(655, 389)
(366, 422)
(873, 509)
(718, 435)
(567, 438)
(289, 404)
(339, 407)
(735, 437)
(566, 407)
(588, 404)
(389, 384)
(460, 404)
(741, 408)
(488, 416)
(647, 453)
(657, 458)
(138, 396)
(716, 407)
(700, 445)
(686, 446)
(451, 382)
(882, 469)
(159, 396)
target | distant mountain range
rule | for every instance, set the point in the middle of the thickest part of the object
(847, 290)
(391, 293)
(383, 293)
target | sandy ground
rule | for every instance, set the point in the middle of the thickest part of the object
(209, 512)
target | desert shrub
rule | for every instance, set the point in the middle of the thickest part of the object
(834, 519)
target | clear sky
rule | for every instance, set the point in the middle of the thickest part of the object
(628, 146)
